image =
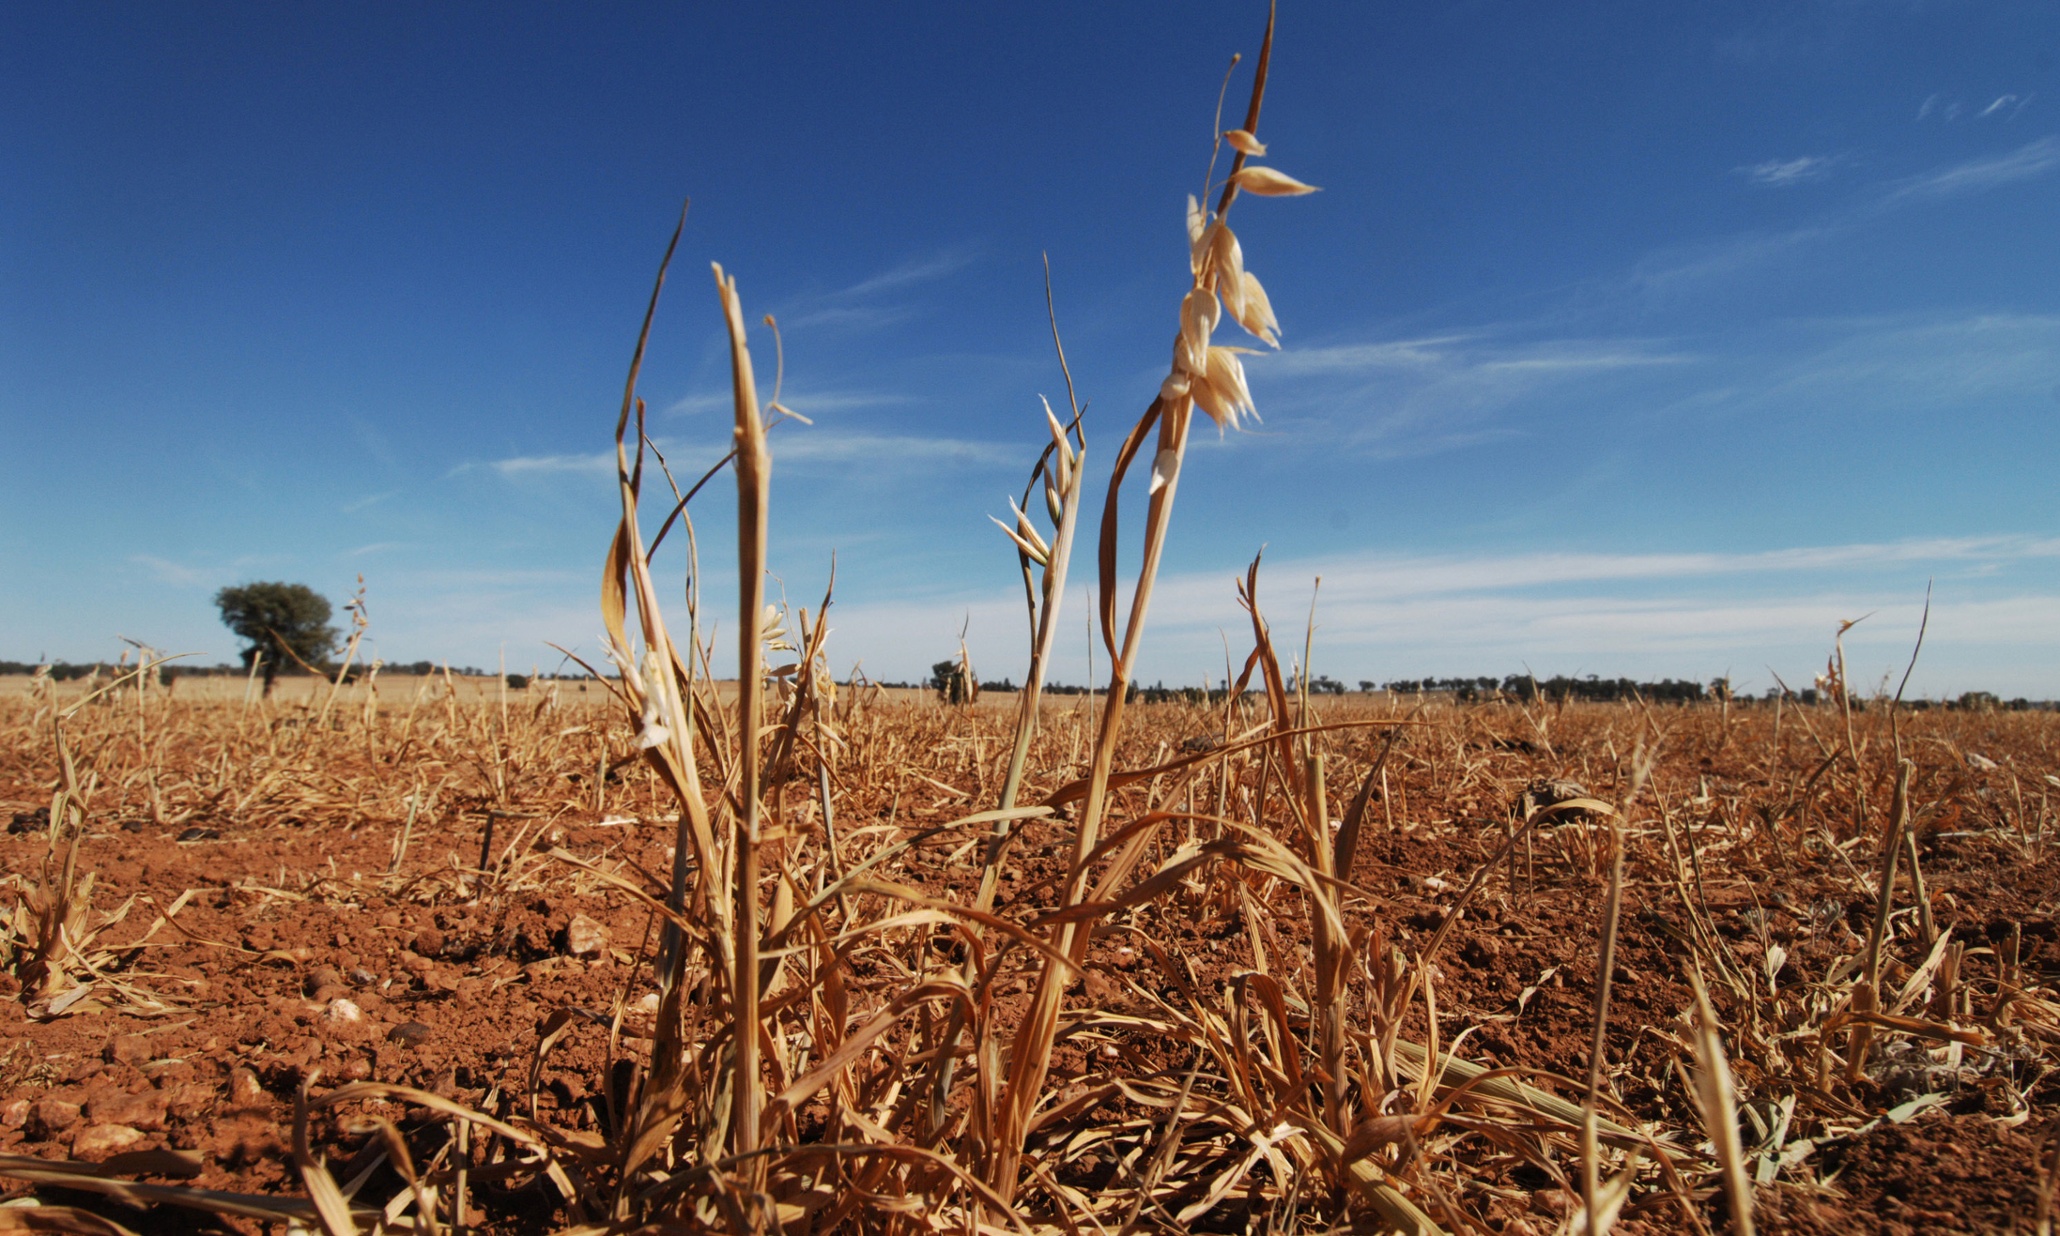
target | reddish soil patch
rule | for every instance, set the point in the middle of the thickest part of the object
(300, 958)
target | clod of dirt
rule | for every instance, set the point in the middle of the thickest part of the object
(137, 1111)
(409, 1034)
(29, 821)
(49, 1117)
(197, 833)
(429, 942)
(126, 1049)
(584, 937)
(100, 1140)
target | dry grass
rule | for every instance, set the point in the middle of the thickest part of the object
(1076, 967)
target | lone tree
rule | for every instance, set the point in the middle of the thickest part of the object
(280, 621)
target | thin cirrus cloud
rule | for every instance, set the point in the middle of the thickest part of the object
(2005, 107)
(801, 444)
(1780, 172)
(1396, 615)
(870, 302)
(1978, 175)
(807, 403)
(1677, 269)
(1429, 395)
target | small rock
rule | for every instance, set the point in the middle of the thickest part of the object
(138, 1111)
(197, 833)
(363, 977)
(584, 937)
(1557, 1203)
(648, 1006)
(100, 1140)
(127, 1049)
(357, 1069)
(320, 977)
(190, 1100)
(409, 1034)
(134, 826)
(49, 1117)
(245, 1090)
(343, 1012)
(14, 1113)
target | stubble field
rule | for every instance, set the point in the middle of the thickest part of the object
(450, 888)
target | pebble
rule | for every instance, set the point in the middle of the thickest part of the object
(244, 1088)
(409, 1034)
(343, 1011)
(584, 937)
(100, 1140)
(199, 834)
(14, 1113)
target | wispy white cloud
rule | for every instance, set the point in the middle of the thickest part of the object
(1479, 350)
(1659, 614)
(869, 302)
(920, 270)
(376, 547)
(1977, 175)
(800, 445)
(816, 446)
(1781, 172)
(1408, 398)
(353, 507)
(1922, 366)
(2007, 106)
(803, 400)
(178, 574)
(1676, 270)
(598, 463)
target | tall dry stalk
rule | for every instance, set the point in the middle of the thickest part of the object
(754, 489)
(1212, 378)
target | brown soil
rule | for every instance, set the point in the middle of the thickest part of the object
(301, 959)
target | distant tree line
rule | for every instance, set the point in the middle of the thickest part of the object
(1463, 690)
(1561, 687)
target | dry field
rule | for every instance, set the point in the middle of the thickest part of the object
(271, 906)
(660, 955)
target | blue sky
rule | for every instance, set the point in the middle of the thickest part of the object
(1625, 339)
